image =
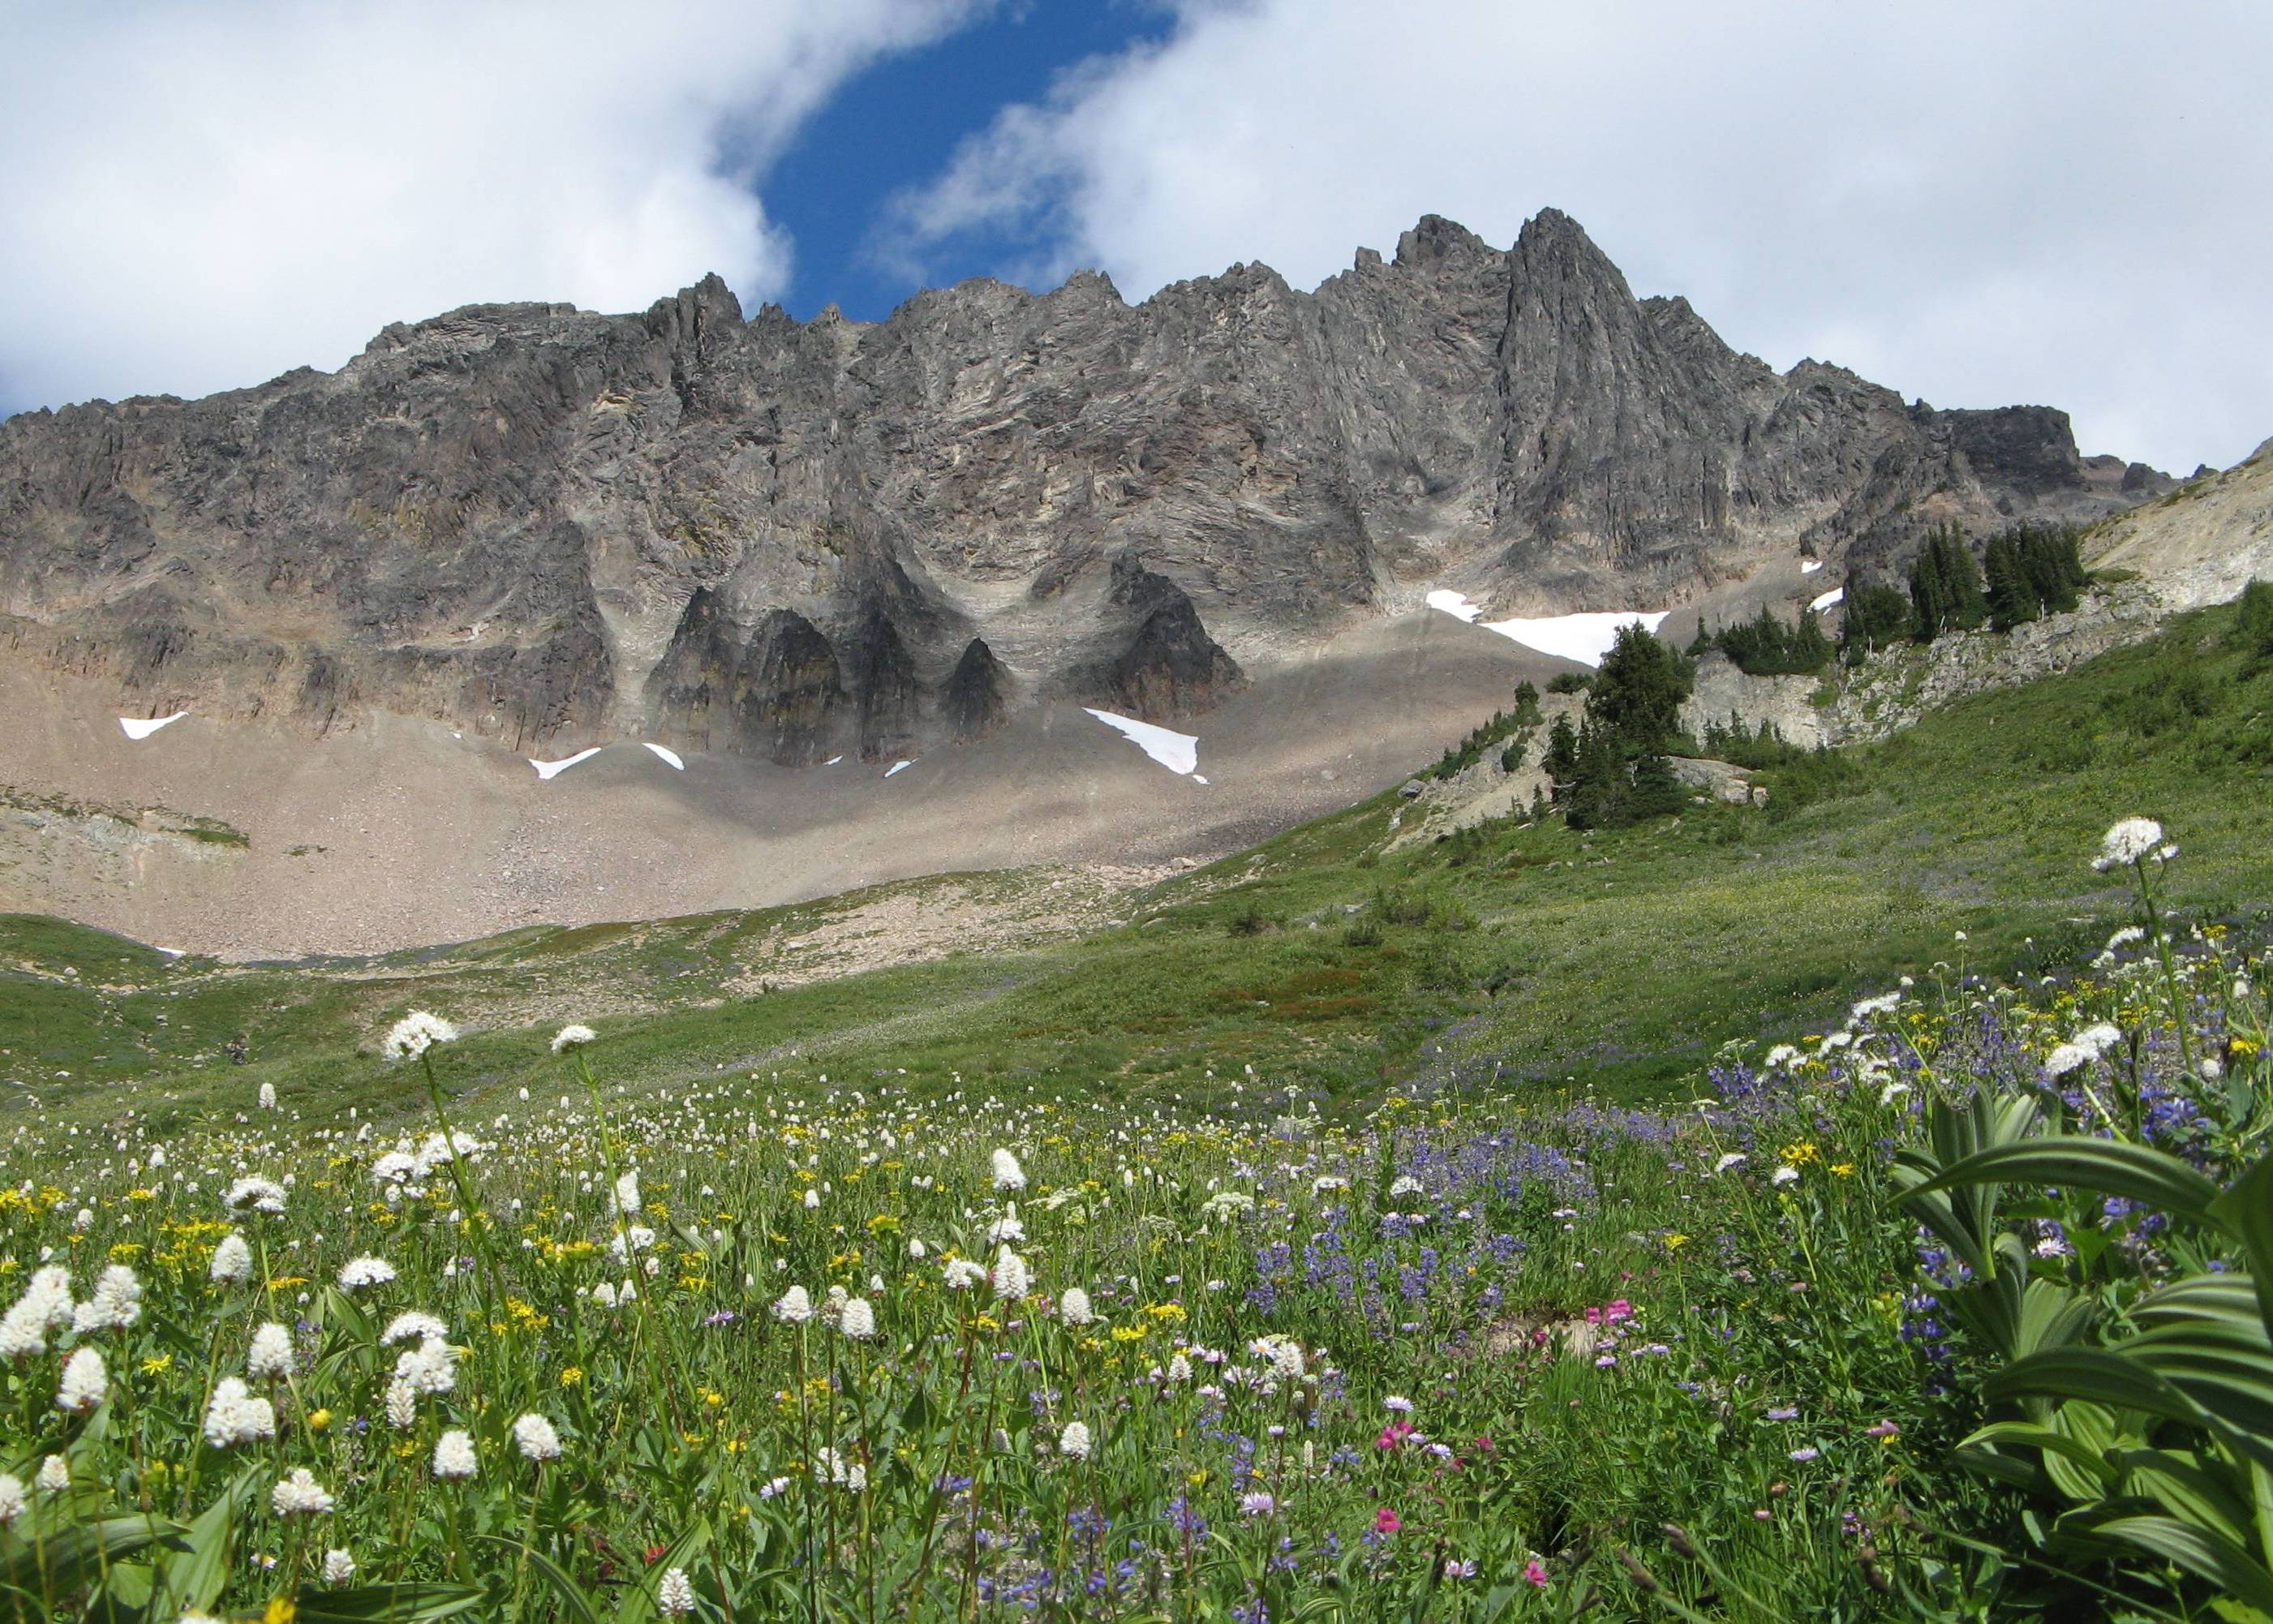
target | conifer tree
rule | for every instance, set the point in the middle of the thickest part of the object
(2012, 597)
(1873, 616)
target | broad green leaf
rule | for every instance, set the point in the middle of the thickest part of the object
(64, 1560)
(2188, 1491)
(2110, 1167)
(2199, 1552)
(2247, 1210)
(196, 1572)
(572, 1601)
(2028, 1434)
(2094, 1374)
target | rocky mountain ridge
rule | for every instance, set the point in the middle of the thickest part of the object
(793, 541)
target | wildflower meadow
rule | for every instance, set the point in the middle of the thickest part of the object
(1956, 1311)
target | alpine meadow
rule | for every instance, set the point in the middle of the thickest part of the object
(1062, 901)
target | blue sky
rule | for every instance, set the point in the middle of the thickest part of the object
(2038, 201)
(889, 129)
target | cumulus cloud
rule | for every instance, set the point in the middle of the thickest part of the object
(201, 196)
(2038, 200)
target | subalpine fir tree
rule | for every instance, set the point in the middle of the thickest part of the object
(1656, 792)
(1945, 593)
(1561, 760)
(2013, 598)
(1871, 616)
(1600, 789)
(2051, 557)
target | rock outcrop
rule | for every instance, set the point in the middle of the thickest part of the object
(791, 540)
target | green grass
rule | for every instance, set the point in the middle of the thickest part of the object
(1614, 960)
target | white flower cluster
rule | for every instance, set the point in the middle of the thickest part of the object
(300, 1496)
(45, 1305)
(256, 1196)
(235, 1416)
(2082, 1049)
(415, 1034)
(2131, 841)
(232, 1260)
(537, 1439)
(86, 1383)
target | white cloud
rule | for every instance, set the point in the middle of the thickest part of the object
(2056, 201)
(201, 196)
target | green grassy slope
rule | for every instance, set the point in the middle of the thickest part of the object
(1617, 961)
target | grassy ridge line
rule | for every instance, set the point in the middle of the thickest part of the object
(1616, 960)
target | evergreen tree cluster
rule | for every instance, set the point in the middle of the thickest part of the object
(1611, 769)
(2031, 571)
(1945, 590)
(1765, 646)
(1871, 616)
(2025, 572)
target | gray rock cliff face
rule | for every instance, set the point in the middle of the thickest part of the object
(791, 540)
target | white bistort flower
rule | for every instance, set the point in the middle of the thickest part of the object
(574, 1036)
(675, 1596)
(232, 1260)
(794, 1307)
(14, 1501)
(1011, 1279)
(116, 1305)
(300, 1496)
(429, 1367)
(963, 1273)
(271, 1357)
(1073, 1443)
(234, 1416)
(536, 1438)
(339, 1567)
(1074, 1308)
(454, 1455)
(415, 1034)
(86, 1383)
(624, 1199)
(54, 1475)
(857, 1320)
(267, 1096)
(1008, 1174)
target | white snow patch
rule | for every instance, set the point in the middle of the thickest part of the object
(832, 761)
(670, 756)
(1811, 565)
(1584, 638)
(1197, 779)
(171, 953)
(897, 767)
(136, 727)
(553, 769)
(1833, 596)
(1179, 752)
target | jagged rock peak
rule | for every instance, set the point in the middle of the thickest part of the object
(792, 539)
